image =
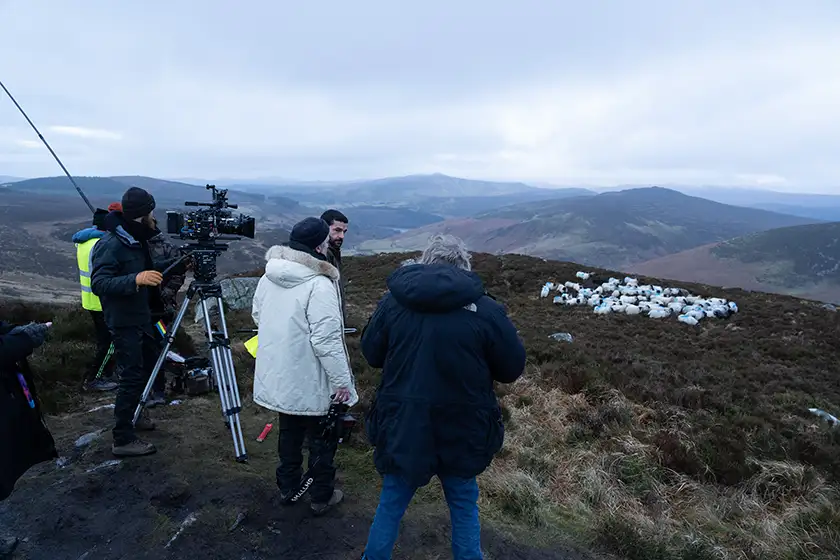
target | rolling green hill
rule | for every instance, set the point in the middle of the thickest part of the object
(798, 260)
(613, 229)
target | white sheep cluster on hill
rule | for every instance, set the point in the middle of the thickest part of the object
(615, 296)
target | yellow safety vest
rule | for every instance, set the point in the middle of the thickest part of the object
(84, 256)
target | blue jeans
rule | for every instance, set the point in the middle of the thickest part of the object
(462, 498)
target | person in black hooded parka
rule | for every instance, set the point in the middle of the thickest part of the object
(441, 342)
(25, 439)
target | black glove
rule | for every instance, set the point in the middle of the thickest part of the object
(37, 332)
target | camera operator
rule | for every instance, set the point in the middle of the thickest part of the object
(126, 279)
(302, 358)
(442, 342)
(24, 437)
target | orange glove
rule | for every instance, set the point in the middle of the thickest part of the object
(149, 278)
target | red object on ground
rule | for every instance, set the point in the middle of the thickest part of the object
(265, 432)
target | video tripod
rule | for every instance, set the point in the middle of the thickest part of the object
(205, 286)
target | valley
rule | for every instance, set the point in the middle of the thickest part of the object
(662, 231)
(801, 260)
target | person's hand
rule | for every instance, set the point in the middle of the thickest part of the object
(149, 278)
(37, 332)
(342, 395)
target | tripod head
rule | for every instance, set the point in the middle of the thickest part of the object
(203, 254)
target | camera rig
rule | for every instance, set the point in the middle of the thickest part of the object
(204, 230)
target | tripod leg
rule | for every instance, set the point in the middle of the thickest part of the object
(218, 351)
(231, 374)
(170, 338)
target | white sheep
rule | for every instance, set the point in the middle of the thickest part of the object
(659, 313)
(629, 297)
(687, 319)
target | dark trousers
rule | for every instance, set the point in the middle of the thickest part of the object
(137, 350)
(103, 362)
(292, 430)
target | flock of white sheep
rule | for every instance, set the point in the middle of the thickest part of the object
(615, 296)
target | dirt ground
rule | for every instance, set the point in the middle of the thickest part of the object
(89, 506)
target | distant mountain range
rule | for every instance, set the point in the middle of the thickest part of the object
(611, 230)
(817, 206)
(786, 246)
(104, 190)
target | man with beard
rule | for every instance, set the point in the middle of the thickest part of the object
(338, 228)
(126, 279)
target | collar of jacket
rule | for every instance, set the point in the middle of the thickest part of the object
(85, 235)
(288, 253)
(334, 255)
(131, 234)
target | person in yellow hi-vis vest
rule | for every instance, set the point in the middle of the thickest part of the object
(100, 372)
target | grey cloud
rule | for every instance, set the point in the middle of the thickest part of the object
(727, 92)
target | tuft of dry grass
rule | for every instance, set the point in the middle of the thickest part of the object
(618, 493)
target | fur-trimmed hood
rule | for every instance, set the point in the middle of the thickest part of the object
(288, 267)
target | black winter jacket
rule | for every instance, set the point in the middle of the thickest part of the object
(441, 342)
(334, 258)
(24, 437)
(118, 258)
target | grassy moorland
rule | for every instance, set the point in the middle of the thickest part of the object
(642, 438)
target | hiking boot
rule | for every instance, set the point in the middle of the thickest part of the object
(156, 398)
(101, 385)
(136, 448)
(8, 546)
(321, 509)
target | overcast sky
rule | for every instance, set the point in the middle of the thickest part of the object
(652, 92)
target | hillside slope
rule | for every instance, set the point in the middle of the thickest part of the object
(648, 438)
(612, 229)
(800, 260)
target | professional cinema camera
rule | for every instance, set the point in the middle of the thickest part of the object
(216, 220)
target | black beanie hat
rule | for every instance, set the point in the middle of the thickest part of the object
(310, 232)
(136, 203)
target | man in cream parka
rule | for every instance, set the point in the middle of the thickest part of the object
(302, 363)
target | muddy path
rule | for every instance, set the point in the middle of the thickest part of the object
(192, 500)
